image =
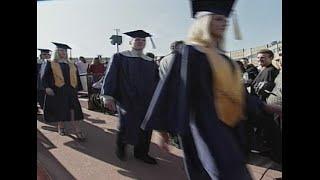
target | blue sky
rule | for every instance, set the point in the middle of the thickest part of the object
(86, 25)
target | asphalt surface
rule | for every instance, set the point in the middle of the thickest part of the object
(64, 158)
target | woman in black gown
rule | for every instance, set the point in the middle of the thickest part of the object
(62, 82)
(202, 99)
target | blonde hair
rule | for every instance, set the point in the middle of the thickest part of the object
(57, 57)
(200, 32)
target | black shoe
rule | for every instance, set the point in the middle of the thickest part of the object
(147, 159)
(121, 152)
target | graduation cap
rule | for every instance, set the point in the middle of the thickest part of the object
(62, 46)
(222, 7)
(44, 50)
(140, 34)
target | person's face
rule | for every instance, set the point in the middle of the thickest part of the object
(179, 46)
(279, 62)
(96, 61)
(62, 53)
(83, 60)
(244, 62)
(264, 59)
(138, 43)
(176, 47)
(218, 25)
(45, 56)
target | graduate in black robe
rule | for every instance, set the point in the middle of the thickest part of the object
(62, 82)
(44, 56)
(189, 101)
(130, 80)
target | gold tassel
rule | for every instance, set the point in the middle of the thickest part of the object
(236, 27)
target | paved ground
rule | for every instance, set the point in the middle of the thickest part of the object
(62, 157)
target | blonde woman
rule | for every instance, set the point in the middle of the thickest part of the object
(202, 99)
(61, 81)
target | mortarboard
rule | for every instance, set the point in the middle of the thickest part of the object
(63, 46)
(44, 50)
(140, 34)
(222, 7)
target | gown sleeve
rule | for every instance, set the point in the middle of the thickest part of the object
(47, 78)
(168, 109)
(110, 82)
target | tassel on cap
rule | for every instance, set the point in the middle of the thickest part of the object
(70, 55)
(236, 28)
(153, 45)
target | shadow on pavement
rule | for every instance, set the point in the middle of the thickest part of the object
(50, 128)
(103, 148)
(48, 165)
(95, 121)
(44, 141)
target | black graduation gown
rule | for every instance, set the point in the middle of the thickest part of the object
(57, 108)
(39, 82)
(183, 103)
(40, 88)
(38, 75)
(266, 76)
(131, 82)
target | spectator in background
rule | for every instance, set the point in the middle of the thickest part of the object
(276, 62)
(276, 94)
(97, 69)
(267, 128)
(242, 69)
(151, 55)
(82, 66)
(175, 47)
(250, 73)
(265, 79)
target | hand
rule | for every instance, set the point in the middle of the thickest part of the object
(49, 92)
(273, 108)
(110, 105)
(164, 144)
